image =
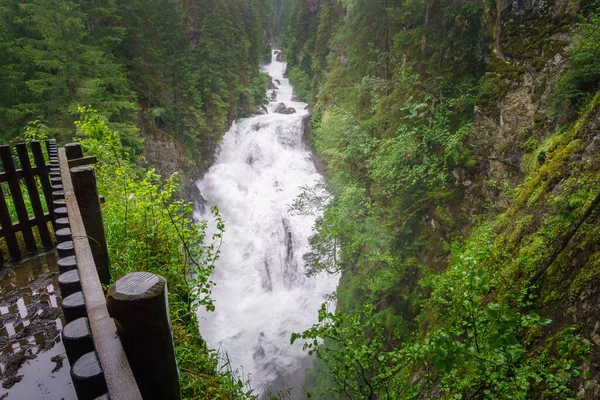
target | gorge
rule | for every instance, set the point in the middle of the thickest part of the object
(262, 294)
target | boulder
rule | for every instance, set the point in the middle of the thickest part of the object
(262, 110)
(282, 109)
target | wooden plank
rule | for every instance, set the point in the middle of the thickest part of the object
(117, 372)
(7, 229)
(34, 195)
(76, 162)
(17, 227)
(15, 190)
(18, 174)
(42, 173)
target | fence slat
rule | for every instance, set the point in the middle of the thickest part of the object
(15, 190)
(34, 195)
(42, 173)
(8, 230)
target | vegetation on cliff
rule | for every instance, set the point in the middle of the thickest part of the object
(119, 67)
(149, 229)
(187, 68)
(461, 146)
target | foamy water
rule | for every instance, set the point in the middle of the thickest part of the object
(262, 294)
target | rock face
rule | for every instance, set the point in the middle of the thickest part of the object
(282, 109)
(279, 57)
(168, 156)
(295, 97)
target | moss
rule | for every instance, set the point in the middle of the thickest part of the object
(528, 41)
(586, 275)
(500, 78)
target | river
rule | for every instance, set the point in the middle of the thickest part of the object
(262, 294)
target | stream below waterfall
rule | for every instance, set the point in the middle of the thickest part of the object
(262, 294)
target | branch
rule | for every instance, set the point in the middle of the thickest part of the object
(565, 242)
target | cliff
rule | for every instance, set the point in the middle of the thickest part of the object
(461, 143)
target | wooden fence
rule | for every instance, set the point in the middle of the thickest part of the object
(31, 209)
(129, 360)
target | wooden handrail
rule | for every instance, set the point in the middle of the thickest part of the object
(117, 371)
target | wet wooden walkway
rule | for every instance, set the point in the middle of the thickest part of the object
(33, 362)
(58, 299)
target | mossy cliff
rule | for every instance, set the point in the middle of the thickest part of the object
(461, 143)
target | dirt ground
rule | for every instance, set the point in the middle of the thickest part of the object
(32, 360)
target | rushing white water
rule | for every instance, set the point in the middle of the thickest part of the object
(262, 294)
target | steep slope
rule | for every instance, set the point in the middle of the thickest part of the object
(461, 143)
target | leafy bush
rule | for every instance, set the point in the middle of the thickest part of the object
(149, 228)
(582, 81)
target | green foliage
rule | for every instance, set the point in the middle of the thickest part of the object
(301, 83)
(55, 58)
(184, 68)
(149, 228)
(475, 344)
(395, 87)
(582, 81)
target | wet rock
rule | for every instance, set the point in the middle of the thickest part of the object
(273, 96)
(272, 85)
(279, 57)
(282, 109)
(278, 81)
(262, 110)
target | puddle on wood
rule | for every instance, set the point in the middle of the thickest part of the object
(33, 364)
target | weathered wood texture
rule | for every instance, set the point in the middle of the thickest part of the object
(117, 372)
(138, 302)
(86, 192)
(76, 162)
(14, 178)
(88, 380)
(73, 151)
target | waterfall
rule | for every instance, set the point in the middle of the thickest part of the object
(262, 294)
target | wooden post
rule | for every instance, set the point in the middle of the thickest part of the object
(73, 151)
(63, 235)
(88, 378)
(86, 192)
(69, 282)
(68, 263)
(77, 338)
(138, 303)
(61, 223)
(73, 306)
(42, 172)
(65, 249)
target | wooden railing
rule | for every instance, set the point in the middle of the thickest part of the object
(131, 359)
(89, 304)
(19, 235)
